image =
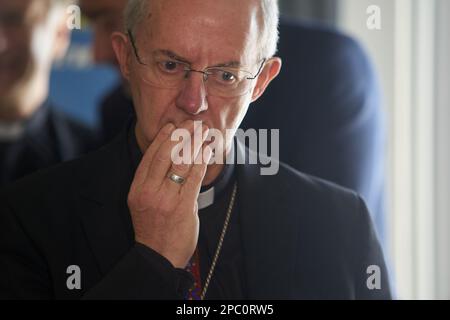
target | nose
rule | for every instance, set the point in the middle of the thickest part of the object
(192, 98)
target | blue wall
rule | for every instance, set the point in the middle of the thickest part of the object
(77, 85)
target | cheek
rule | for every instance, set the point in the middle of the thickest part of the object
(236, 112)
(151, 105)
(228, 114)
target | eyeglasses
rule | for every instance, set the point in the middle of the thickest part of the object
(165, 72)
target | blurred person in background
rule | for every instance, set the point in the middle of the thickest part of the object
(328, 97)
(106, 17)
(33, 34)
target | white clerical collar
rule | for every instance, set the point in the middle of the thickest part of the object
(10, 132)
(207, 196)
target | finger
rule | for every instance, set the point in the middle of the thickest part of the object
(191, 187)
(182, 169)
(162, 160)
(144, 166)
(196, 144)
(195, 157)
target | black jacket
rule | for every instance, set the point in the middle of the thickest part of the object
(50, 137)
(302, 238)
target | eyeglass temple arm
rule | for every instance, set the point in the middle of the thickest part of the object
(133, 44)
(259, 70)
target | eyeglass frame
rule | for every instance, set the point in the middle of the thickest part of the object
(189, 69)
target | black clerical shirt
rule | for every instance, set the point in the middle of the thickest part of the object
(227, 281)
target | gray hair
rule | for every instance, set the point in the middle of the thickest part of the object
(136, 11)
(271, 19)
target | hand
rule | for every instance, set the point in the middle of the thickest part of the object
(164, 213)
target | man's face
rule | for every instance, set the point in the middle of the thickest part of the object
(23, 45)
(106, 17)
(204, 34)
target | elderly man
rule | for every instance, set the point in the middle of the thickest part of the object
(32, 134)
(343, 123)
(133, 223)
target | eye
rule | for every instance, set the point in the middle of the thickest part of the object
(171, 67)
(225, 77)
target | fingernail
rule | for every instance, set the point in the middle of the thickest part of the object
(169, 127)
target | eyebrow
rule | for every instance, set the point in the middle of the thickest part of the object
(173, 55)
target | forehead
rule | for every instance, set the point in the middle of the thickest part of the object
(218, 30)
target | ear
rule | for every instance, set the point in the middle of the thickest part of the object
(270, 71)
(120, 44)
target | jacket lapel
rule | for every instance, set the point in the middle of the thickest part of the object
(268, 232)
(106, 220)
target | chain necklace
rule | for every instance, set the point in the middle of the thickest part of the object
(219, 245)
